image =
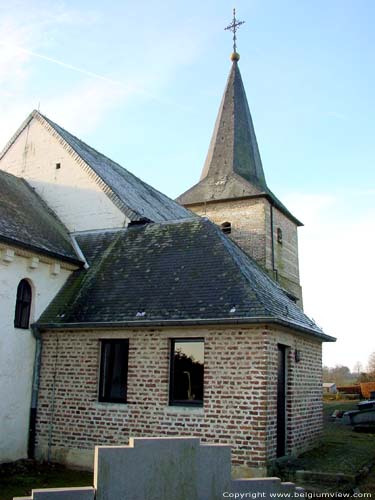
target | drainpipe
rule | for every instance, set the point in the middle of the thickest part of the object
(274, 270)
(35, 390)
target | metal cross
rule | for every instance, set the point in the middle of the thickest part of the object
(233, 27)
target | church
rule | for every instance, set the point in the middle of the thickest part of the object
(126, 313)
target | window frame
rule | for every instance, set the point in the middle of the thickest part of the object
(172, 402)
(106, 398)
(22, 305)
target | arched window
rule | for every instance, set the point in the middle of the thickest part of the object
(226, 227)
(23, 305)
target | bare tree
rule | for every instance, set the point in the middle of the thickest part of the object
(371, 366)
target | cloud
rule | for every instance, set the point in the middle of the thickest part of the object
(337, 275)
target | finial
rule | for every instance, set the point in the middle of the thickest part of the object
(233, 27)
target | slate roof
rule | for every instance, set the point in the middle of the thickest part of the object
(138, 200)
(233, 167)
(170, 273)
(26, 220)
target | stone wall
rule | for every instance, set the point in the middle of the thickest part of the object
(46, 276)
(239, 394)
(251, 230)
(248, 221)
(73, 191)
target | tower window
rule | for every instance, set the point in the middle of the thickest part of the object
(279, 235)
(23, 305)
(58, 166)
(226, 227)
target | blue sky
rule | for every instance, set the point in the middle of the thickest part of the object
(142, 83)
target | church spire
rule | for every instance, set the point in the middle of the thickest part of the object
(233, 147)
(233, 167)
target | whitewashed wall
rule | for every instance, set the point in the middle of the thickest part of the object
(17, 346)
(71, 191)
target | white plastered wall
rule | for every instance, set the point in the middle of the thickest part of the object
(17, 346)
(71, 191)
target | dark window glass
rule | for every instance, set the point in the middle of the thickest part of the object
(113, 371)
(187, 369)
(23, 305)
(226, 227)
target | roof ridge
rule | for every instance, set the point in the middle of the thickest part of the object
(20, 129)
(228, 242)
(122, 172)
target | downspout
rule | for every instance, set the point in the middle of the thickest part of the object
(35, 391)
(274, 270)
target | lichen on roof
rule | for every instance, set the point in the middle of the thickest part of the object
(170, 272)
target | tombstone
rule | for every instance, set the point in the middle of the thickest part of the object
(167, 469)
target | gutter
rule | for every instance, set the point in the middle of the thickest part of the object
(35, 391)
(186, 322)
(33, 248)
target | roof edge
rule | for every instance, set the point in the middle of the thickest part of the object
(187, 322)
(247, 197)
(42, 251)
(18, 132)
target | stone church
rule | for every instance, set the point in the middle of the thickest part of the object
(126, 313)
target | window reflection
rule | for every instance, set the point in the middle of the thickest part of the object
(187, 369)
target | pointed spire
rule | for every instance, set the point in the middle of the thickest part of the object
(233, 147)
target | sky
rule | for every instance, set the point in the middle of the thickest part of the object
(142, 83)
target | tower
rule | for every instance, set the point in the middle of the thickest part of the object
(234, 194)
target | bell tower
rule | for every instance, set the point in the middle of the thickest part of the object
(233, 192)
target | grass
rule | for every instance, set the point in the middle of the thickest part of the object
(20, 478)
(341, 451)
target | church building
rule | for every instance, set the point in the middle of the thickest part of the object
(130, 314)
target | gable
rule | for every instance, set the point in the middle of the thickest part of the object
(25, 220)
(73, 178)
(71, 191)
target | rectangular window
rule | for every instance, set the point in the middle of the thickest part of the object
(113, 371)
(187, 370)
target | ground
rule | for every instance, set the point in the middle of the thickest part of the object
(342, 451)
(20, 478)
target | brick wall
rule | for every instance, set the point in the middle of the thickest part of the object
(239, 398)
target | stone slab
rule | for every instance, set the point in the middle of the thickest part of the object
(86, 493)
(162, 468)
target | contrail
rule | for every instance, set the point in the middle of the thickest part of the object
(138, 89)
(61, 63)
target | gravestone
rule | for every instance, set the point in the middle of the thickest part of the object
(167, 469)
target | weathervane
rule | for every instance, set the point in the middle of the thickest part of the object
(233, 27)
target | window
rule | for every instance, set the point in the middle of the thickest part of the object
(187, 367)
(226, 227)
(279, 235)
(113, 371)
(23, 305)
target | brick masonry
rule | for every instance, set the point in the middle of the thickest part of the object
(239, 394)
(251, 229)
